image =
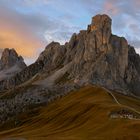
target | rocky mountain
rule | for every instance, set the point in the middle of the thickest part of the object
(10, 63)
(93, 56)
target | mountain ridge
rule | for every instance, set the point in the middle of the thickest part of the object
(93, 56)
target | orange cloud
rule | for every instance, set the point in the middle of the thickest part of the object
(16, 32)
(25, 46)
(19, 38)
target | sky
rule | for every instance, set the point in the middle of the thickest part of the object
(29, 25)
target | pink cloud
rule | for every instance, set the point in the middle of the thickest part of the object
(110, 8)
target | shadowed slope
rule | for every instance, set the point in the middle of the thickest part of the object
(81, 115)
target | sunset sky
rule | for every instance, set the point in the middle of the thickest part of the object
(29, 25)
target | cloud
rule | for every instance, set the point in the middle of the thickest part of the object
(135, 29)
(32, 2)
(126, 17)
(61, 32)
(29, 25)
(18, 31)
(137, 50)
(134, 41)
(30, 31)
(110, 7)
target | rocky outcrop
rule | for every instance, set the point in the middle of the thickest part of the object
(10, 64)
(53, 55)
(132, 76)
(101, 25)
(92, 56)
(21, 77)
(10, 58)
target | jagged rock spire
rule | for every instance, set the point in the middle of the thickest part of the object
(101, 25)
(91, 56)
(101, 21)
(10, 58)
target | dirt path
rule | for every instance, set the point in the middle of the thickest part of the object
(113, 96)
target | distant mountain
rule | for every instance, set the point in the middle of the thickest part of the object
(93, 56)
(10, 63)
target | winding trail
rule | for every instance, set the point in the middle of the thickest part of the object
(112, 96)
(115, 99)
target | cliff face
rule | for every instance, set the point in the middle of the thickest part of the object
(132, 75)
(92, 56)
(97, 56)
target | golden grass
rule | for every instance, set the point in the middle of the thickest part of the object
(126, 100)
(81, 115)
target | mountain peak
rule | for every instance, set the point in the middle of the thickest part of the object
(101, 25)
(99, 19)
(92, 56)
(100, 22)
(10, 58)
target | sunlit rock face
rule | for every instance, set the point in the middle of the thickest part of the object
(92, 56)
(101, 25)
(98, 37)
(99, 56)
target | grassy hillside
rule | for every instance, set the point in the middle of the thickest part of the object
(81, 115)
